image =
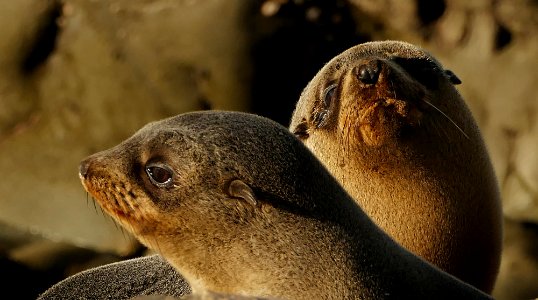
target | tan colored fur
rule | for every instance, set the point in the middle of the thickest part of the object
(425, 182)
(297, 235)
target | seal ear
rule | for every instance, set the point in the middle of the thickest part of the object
(452, 77)
(239, 189)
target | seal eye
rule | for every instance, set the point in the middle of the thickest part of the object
(328, 95)
(160, 175)
(321, 117)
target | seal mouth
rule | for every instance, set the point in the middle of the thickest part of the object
(380, 83)
(383, 120)
(400, 107)
(115, 197)
(403, 110)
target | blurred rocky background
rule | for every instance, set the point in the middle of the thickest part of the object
(78, 76)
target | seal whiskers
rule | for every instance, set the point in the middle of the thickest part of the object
(446, 116)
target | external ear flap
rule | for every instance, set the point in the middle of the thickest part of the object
(452, 77)
(239, 189)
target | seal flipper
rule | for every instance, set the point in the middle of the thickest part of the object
(148, 275)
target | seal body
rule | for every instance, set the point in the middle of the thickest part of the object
(239, 206)
(388, 123)
(145, 275)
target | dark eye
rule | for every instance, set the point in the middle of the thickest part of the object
(159, 174)
(425, 71)
(328, 95)
(321, 117)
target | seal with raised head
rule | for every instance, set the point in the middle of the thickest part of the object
(238, 205)
(388, 123)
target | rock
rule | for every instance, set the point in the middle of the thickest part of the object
(113, 66)
(519, 268)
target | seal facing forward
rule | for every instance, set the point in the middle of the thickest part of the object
(388, 123)
(240, 206)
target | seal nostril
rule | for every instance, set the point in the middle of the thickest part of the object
(83, 168)
(368, 73)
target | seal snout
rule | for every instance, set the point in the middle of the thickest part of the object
(84, 172)
(83, 168)
(368, 72)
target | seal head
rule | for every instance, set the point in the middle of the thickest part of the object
(207, 191)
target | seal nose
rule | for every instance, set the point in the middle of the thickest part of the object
(83, 168)
(368, 73)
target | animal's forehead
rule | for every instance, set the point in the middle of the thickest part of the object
(156, 138)
(401, 53)
(239, 132)
(388, 49)
(382, 50)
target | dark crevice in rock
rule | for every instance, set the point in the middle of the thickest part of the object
(45, 39)
(429, 11)
(503, 37)
(530, 226)
(34, 282)
(204, 103)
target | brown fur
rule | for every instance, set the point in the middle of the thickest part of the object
(250, 211)
(205, 295)
(429, 184)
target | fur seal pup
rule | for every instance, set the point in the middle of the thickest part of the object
(388, 123)
(238, 205)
